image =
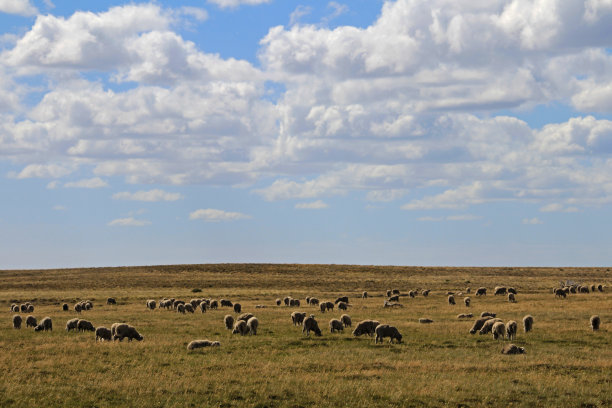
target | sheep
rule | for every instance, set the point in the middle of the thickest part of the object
(237, 307)
(499, 330)
(278, 302)
(196, 344)
(335, 324)
(468, 290)
(245, 316)
(323, 307)
(467, 301)
(527, 323)
(465, 316)
(17, 322)
(391, 304)
(412, 294)
(240, 327)
(595, 322)
(214, 305)
(103, 333)
(151, 304)
(559, 292)
(384, 330)
(389, 292)
(600, 287)
(71, 324)
(451, 299)
(45, 324)
(342, 306)
(307, 299)
(83, 325)
(481, 292)
(294, 302)
(394, 298)
(425, 292)
(111, 301)
(252, 325)
(425, 320)
(203, 306)
(311, 324)
(180, 308)
(228, 320)
(511, 298)
(189, 308)
(176, 303)
(484, 314)
(314, 301)
(593, 288)
(512, 349)
(487, 327)
(479, 323)
(123, 330)
(15, 308)
(298, 318)
(500, 290)
(512, 290)
(12, 309)
(584, 289)
(366, 327)
(23, 308)
(395, 291)
(511, 329)
(31, 321)
(226, 303)
(364, 295)
(286, 300)
(346, 320)
(88, 305)
(30, 309)
(77, 308)
(329, 305)
(344, 299)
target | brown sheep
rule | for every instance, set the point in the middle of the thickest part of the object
(499, 330)
(500, 290)
(245, 316)
(103, 333)
(123, 330)
(451, 299)
(346, 320)
(298, 318)
(151, 304)
(335, 325)
(31, 321)
(314, 301)
(72, 324)
(465, 316)
(240, 327)
(527, 323)
(481, 292)
(511, 298)
(83, 325)
(479, 323)
(78, 308)
(595, 322)
(559, 292)
(342, 306)
(226, 303)
(237, 307)
(511, 329)
(17, 322)
(344, 299)
(214, 305)
(310, 324)
(425, 320)
(384, 330)
(467, 301)
(229, 322)
(252, 325)
(491, 314)
(65, 307)
(366, 327)
(45, 324)
(189, 308)
(111, 301)
(323, 307)
(394, 298)
(364, 295)
(512, 349)
(180, 308)
(425, 292)
(278, 302)
(487, 327)
(203, 306)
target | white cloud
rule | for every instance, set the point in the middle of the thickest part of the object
(236, 3)
(20, 7)
(461, 217)
(45, 171)
(59, 208)
(556, 207)
(315, 205)
(213, 215)
(532, 221)
(150, 196)
(128, 222)
(299, 12)
(95, 182)
(195, 12)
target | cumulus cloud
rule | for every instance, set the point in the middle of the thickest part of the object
(236, 3)
(20, 7)
(128, 222)
(214, 215)
(314, 205)
(95, 182)
(150, 196)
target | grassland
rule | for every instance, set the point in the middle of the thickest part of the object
(566, 365)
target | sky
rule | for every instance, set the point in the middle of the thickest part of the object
(406, 132)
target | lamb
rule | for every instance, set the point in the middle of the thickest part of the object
(45, 324)
(31, 321)
(229, 322)
(595, 322)
(425, 320)
(17, 322)
(394, 298)
(344, 299)
(335, 324)
(237, 307)
(298, 318)
(111, 301)
(467, 301)
(511, 329)
(342, 306)
(500, 290)
(527, 323)
(346, 320)
(151, 304)
(465, 316)
(511, 298)
(83, 325)
(311, 324)
(451, 299)
(487, 327)
(245, 316)
(240, 327)
(196, 344)
(72, 324)
(499, 330)
(189, 308)
(103, 333)
(479, 323)
(481, 292)
(123, 330)
(384, 330)
(252, 325)
(512, 349)
(559, 292)
(484, 314)
(364, 295)
(366, 327)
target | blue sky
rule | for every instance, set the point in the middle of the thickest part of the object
(405, 132)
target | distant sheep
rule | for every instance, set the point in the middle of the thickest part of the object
(595, 322)
(83, 325)
(229, 322)
(189, 308)
(395, 291)
(559, 292)
(226, 303)
(180, 308)
(384, 330)
(111, 301)
(214, 304)
(412, 294)
(278, 302)
(310, 324)
(329, 305)
(237, 307)
(479, 323)
(252, 325)
(593, 288)
(196, 344)
(425, 320)
(389, 293)
(342, 306)
(245, 316)
(151, 304)
(527, 323)
(103, 333)
(481, 292)
(451, 299)
(500, 290)
(240, 327)
(487, 327)
(335, 325)
(203, 306)
(468, 290)
(323, 307)
(511, 298)
(425, 292)
(512, 349)
(17, 322)
(364, 295)
(295, 303)
(298, 318)
(44, 325)
(394, 298)
(512, 290)
(15, 308)
(346, 320)
(366, 327)
(600, 287)
(123, 330)
(23, 308)
(467, 301)
(307, 300)
(77, 308)
(484, 314)
(499, 330)
(465, 316)
(584, 289)
(72, 324)
(31, 321)
(314, 301)
(30, 309)
(511, 329)
(344, 299)
(391, 304)
(286, 300)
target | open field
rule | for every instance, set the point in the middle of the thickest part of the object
(440, 364)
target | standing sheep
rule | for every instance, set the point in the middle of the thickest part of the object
(151, 304)
(311, 324)
(189, 308)
(122, 330)
(252, 325)
(214, 305)
(286, 300)
(278, 302)
(481, 292)
(65, 307)
(500, 290)
(595, 322)
(467, 301)
(298, 318)
(499, 330)
(559, 292)
(237, 307)
(478, 324)
(487, 327)
(364, 295)
(240, 327)
(425, 320)
(511, 329)
(103, 333)
(366, 327)
(180, 308)
(335, 325)
(451, 299)
(323, 307)
(45, 324)
(527, 323)
(203, 306)
(314, 301)
(30, 309)
(17, 322)
(425, 292)
(83, 325)
(111, 301)
(512, 290)
(346, 320)
(229, 322)
(31, 321)
(77, 308)
(342, 306)
(196, 344)
(511, 298)
(72, 324)
(384, 330)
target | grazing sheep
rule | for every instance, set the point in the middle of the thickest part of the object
(384, 330)
(346, 320)
(203, 306)
(252, 325)
(487, 327)
(481, 292)
(311, 324)
(298, 318)
(467, 301)
(500, 290)
(189, 308)
(30, 309)
(245, 316)
(23, 308)
(180, 308)
(31, 321)
(329, 306)
(364, 295)
(151, 304)
(451, 299)
(572, 289)
(314, 301)
(394, 298)
(103, 333)
(465, 316)
(295, 302)
(307, 299)
(559, 292)
(425, 292)
(278, 302)
(88, 305)
(595, 322)
(122, 330)
(395, 291)
(240, 327)
(512, 290)
(511, 329)
(468, 290)
(15, 308)
(425, 320)
(111, 301)
(335, 325)
(229, 322)
(17, 322)
(72, 324)
(389, 293)
(286, 300)
(12, 309)
(214, 305)
(600, 287)
(342, 306)
(484, 314)
(83, 325)
(195, 303)
(412, 294)
(479, 323)
(366, 327)
(527, 323)
(511, 298)
(584, 289)
(344, 299)
(593, 288)
(77, 308)
(512, 349)
(196, 344)
(323, 307)
(499, 330)
(226, 303)
(45, 324)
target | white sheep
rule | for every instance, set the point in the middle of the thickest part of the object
(499, 330)
(72, 324)
(122, 330)
(366, 327)
(31, 321)
(252, 325)
(240, 327)
(311, 324)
